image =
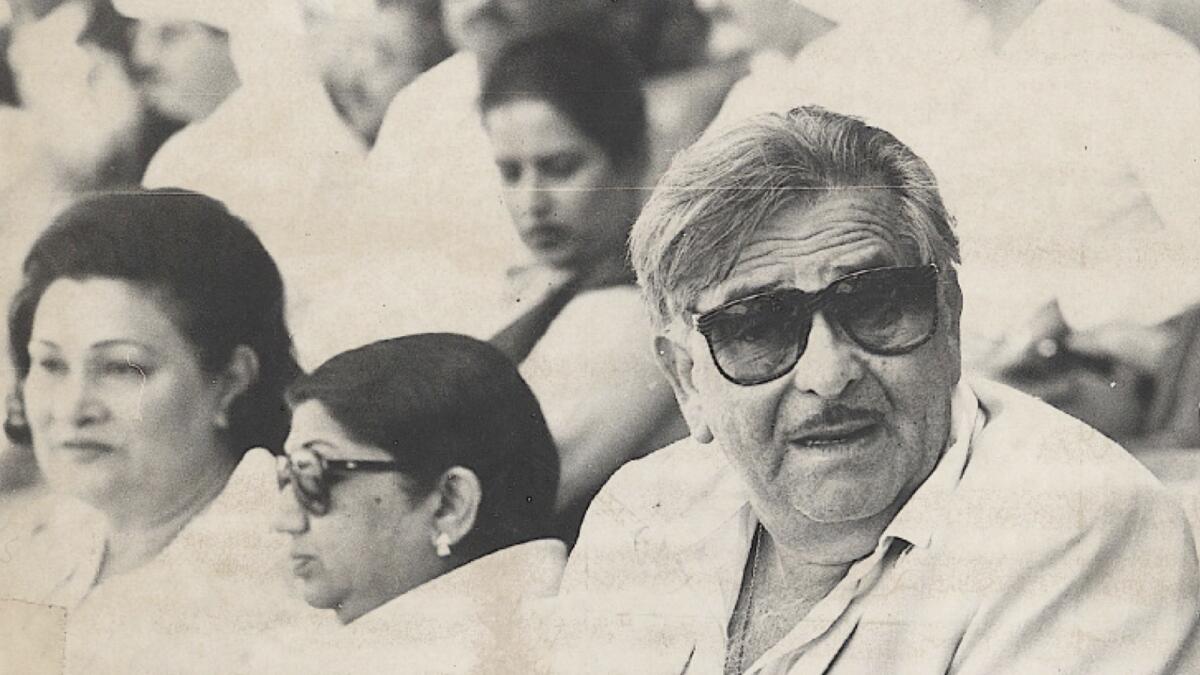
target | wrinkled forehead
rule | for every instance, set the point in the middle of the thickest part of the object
(807, 243)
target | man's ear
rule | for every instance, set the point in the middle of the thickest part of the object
(458, 494)
(239, 376)
(677, 364)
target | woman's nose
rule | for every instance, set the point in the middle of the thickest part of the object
(290, 517)
(79, 403)
(534, 201)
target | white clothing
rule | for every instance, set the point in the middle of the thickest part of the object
(195, 608)
(1035, 545)
(1069, 156)
(465, 621)
(275, 151)
(433, 173)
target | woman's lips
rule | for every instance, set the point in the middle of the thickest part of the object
(546, 237)
(86, 449)
(302, 565)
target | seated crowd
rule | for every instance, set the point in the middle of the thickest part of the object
(572, 336)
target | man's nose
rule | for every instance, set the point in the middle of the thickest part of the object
(290, 517)
(829, 364)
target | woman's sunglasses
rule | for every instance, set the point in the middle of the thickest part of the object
(311, 474)
(886, 311)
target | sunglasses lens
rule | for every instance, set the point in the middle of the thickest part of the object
(305, 472)
(759, 339)
(888, 311)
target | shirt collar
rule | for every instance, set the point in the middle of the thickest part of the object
(728, 501)
(920, 515)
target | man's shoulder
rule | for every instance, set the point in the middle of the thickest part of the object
(1022, 434)
(1041, 470)
(669, 482)
(437, 99)
(673, 496)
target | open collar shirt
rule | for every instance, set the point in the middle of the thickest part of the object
(725, 532)
(1035, 545)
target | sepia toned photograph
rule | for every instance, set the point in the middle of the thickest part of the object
(729, 337)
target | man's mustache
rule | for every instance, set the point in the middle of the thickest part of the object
(836, 417)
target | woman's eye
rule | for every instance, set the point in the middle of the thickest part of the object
(123, 368)
(50, 364)
(560, 166)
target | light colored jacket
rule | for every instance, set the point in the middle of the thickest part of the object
(1035, 546)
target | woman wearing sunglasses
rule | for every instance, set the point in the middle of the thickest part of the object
(151, 353)
(567, 122)
(417, 491)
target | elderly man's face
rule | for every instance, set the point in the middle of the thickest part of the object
(845, 434)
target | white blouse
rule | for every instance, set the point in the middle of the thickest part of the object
(193, 608)
(469, 620)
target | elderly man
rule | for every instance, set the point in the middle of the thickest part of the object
(847, 504)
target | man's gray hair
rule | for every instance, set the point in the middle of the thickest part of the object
(719, 192)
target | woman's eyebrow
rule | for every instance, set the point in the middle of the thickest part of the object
(125, 342)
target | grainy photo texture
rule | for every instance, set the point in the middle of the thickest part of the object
(752, 337)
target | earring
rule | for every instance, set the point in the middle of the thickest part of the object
(221, 421)
(441, 544)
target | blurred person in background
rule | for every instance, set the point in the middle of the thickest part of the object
(151, 353)
(183, 68)
(431, 163)
(417, 494)
(75, 120)
(566, 117)
(367, 58)
(286, 150)
(1063, 134)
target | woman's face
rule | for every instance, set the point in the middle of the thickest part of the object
(365, 61)
(570, 202)
(185, 67)
(375, 541)
(121, 412)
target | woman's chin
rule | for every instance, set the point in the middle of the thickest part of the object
(90, 486)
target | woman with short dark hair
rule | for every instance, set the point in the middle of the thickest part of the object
(567, 120)
(151, 353)
(417, 490)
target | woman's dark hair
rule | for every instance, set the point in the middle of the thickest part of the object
(595, 84)
(436, 401)
(214, 278)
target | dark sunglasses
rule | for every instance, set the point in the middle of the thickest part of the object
(311, 474)
(886, 311)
